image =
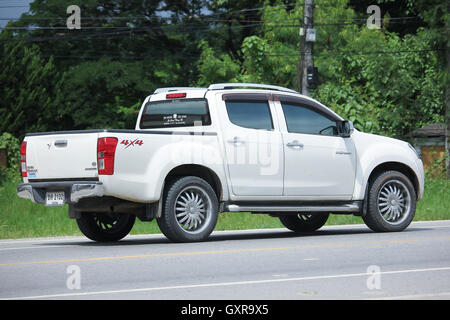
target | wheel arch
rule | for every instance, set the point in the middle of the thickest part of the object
(199, 171)
(396, 166)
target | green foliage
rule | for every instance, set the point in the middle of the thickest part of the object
(392, 94)
(95, 94)
(12, 146)
(352, 102)
(382, 82)
(436, 169)
(385, 82)
(28, 89)
(213, 68)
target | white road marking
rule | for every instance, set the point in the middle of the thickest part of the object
(222, 284)
(414, 296)
(38, 247)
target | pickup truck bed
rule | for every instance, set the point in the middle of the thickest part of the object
(73, 154)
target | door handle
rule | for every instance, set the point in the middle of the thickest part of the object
(295, 144)
(236, 141)
(60, 143)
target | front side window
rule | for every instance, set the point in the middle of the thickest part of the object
(175, 113)
(250, 114)
(304, 120)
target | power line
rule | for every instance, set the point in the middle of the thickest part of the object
(128, 57)
(146, 27)
(353, 53)
(251, 23)
(269, 9)
(187, 27)
(75, 35)
(117, 32)
(205, 19)
(274, 8)
(4, 7)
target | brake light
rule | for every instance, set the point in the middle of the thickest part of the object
(106, 151)
(23, 158)
(175, 95)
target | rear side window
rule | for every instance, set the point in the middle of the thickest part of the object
(175, 113)
(250, 114)
(304, 120)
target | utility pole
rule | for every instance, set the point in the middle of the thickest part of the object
(308, 36)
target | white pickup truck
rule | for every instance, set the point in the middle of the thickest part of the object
(235, 147)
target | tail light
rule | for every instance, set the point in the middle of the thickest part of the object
(23, 158)
(106, 150)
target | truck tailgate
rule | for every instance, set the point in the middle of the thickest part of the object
(62, 155)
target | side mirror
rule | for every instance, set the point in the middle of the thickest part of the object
(345, 128)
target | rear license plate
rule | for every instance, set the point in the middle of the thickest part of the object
(55, 198)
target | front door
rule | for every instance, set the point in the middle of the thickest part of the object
(318, 162)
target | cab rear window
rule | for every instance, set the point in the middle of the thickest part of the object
(175, 113)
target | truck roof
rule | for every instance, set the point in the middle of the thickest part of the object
(228, 86)
(197, 92)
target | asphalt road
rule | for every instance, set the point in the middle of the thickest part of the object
(338, 262)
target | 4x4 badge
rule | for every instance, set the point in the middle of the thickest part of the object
(129, 143)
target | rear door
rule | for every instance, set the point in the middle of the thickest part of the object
(252, 144)
(62, 156)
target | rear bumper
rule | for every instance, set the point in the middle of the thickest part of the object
(73, 190)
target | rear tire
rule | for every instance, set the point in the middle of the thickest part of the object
(190, 210)
(391, 202)
(105, 227)
(304, 222)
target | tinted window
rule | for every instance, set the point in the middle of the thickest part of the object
(303, 120)
(250, 114)
(175, 113)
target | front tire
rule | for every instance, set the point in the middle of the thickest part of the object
(391, 202)
(304, 222)
(105, 227)
(190, 210)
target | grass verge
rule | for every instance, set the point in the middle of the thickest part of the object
(20, 218)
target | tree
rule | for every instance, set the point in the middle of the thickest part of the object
(214, 68)
(123, 51)
(384, 83)
(436, 14)
(96, 94)
(28, 82)
(387, 81)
